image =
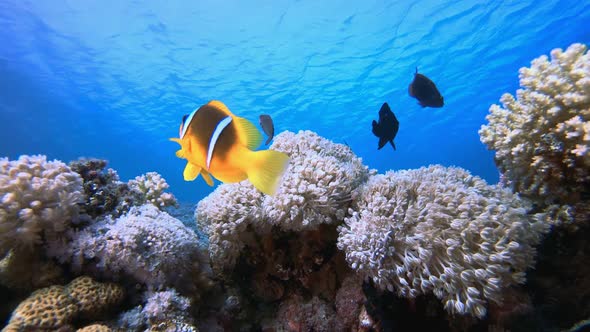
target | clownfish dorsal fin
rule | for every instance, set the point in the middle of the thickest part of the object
(191, 171)
(220, 106)
(248, 134)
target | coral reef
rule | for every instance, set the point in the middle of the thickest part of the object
(296, 314)
(349, 303)
(272, 249)
(559, 286)
(316, 190)
(150, 188)
(57, 306)
(147, 244)
(26, 271)
(38, 200)
(95, 328)
(542, 136)
(103, 191)
(161, 311)
(317, 186)
(105, 194)
(442, 231)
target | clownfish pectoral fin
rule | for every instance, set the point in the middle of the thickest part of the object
(248, 134)
(266, 169)
(207, 177)
(191, 171)
(180, 153)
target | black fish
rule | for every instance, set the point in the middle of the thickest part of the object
(267, 126)
(423, 89)
(387, 127)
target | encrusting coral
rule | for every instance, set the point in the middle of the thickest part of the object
(38, 200)
(442, 231)
(542, 136)
(316, 189)
(53, 307)
(147, 244)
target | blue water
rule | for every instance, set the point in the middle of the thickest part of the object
(112, 79)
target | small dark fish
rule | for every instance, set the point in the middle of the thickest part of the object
(423, 89)
(267, 126)
(387, 127)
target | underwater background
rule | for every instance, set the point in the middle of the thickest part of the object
(112, 79)
(479, 220)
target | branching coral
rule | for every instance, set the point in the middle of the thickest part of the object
(542, 136)
(38, 198)
(150, 188)
(316, 190)
(102, 189)
(146, 243)
(105, 194)
(162, 311)
(442, 231)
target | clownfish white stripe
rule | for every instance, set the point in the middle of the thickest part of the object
(187, 123)
(220, 126)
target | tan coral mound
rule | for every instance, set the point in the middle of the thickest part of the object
(443, 231)
(56, 306)
(95, 328)
(542, 136)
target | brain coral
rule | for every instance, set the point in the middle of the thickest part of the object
(442, 231)
(146, 243)
(38, 198)
(542, 136)
(316, 189)
(56, 306)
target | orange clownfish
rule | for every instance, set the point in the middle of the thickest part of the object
(216, 142)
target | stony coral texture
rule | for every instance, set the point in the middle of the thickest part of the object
(542, 136)
(150, 188)
(316, 189)
(440, 230)
(147, 244)
(51, 308)
(38, 198)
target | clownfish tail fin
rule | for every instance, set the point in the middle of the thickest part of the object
(266, 170)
